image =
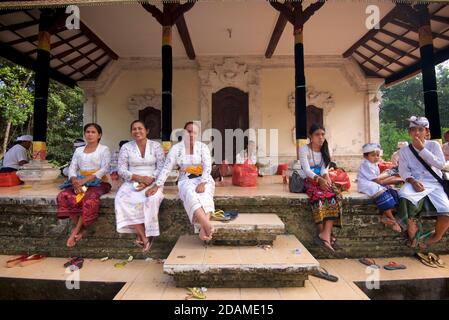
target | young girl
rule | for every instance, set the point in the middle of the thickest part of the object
(372, 183)
(324, 197)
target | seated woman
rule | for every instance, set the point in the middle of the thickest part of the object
(422, 194)
(196, 186)
(139, 163)
(18, 154)
(324, 197)
(88, 169)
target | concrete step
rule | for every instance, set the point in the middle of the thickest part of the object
(247, 229)
(286, 264)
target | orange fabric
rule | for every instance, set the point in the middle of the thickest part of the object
(196, 170)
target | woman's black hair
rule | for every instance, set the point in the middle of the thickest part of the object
(190, 122)
(325, 147)
(138, 121)
(96, 126)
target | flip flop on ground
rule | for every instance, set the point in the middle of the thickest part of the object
(15, 261)
(322, 273)
(369, 262)
(392, 265)
(425, 260)
(436, 259)
(35, 258)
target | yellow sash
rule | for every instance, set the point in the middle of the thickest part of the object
(196, 170)
(91, 172)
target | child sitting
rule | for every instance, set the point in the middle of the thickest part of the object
(376, 185)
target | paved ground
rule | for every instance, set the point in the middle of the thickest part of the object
(146, 280)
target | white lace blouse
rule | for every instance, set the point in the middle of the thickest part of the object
(178, 156)
(98, 160)
(130, 160)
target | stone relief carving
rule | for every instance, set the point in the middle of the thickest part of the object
(139, 102)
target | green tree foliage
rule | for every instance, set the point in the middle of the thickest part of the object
(65, 121)
(65, 111)
(404, 100)
(15, 99)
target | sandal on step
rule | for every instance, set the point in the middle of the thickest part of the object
(324, 274)
(394, 266)
(219, 216)
(196, 293)
(231, 214)
(71, 261)
(35, 258)
(369, 262)
(15, 261)
(323, 244)
(436, 260)
(77, 264)
(425, 260)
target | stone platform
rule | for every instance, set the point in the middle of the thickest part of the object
(28, 222)
(248, 229)
(286, 264)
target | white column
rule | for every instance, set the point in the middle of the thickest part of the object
(373, 101)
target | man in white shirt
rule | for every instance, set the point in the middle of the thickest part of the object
(18, 155)
(446, 146)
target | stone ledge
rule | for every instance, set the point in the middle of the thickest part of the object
(247, 229)
(29, 224)
(287, 263)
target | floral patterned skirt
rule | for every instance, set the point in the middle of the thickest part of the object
(87, 208)
(326, 205)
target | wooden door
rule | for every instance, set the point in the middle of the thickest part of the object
(152, 118)
(229, 111)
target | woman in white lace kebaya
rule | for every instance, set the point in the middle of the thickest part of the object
(196, 186)
(139, 163)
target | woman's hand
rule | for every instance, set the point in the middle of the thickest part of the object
(141, 186)
(143, 179)
(147, 180)
(324, 184)
(151, 191)
(76, 185)
(200, 188)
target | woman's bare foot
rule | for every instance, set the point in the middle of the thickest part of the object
(203, 235)
(429, 241)
(139, 241)
(71, 241)
(147, 242)
(412, 229)
(391, 222)
(206, 231)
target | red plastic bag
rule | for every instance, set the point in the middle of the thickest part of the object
(225, 169)
(244, 175)
(282, 167)
(9, 179)
(340, 178)
(384, 165)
